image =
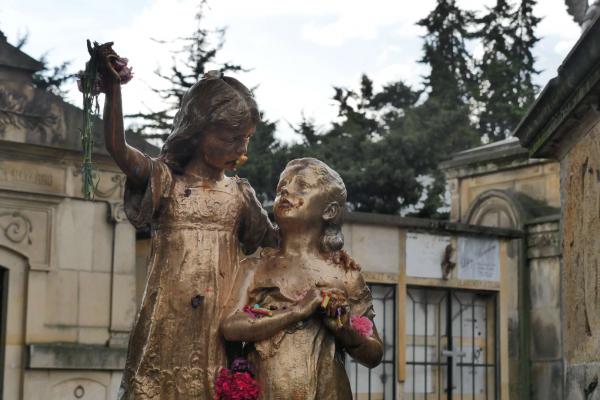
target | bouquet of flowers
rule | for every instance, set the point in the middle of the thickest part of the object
(237, 383)
(91, 84)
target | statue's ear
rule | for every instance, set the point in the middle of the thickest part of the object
(332, 211)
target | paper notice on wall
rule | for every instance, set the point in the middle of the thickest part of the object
(424, 254)
(478, 259)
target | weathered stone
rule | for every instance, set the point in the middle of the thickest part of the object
(94, 336)
(547, 381)
(74, 385)
(575, 382)
(545, 283)
(545, 334)
(94, 299)
(124, 257)
(115, 383)
(581, 250)
(385, 256)
(13, 370)
(35, 384)
(79, 357)
(26, 227)
(75, 234)
(123, 302)
(103, 239)
(62, 298)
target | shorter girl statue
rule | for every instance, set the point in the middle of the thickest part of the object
(301, 307)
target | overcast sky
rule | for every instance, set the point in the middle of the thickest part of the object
(297, 50)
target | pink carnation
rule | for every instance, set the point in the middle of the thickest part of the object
(119, 64)
(362, 325)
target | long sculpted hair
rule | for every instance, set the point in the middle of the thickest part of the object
(216, 102)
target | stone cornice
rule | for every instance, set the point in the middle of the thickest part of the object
(565, 99)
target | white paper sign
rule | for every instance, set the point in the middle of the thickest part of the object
(424, 254)
(478, 259)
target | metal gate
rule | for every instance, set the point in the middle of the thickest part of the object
(451, 346)
(378, 383)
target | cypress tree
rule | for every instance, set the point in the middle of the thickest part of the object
(524, 23)
(450, 78)
(506, 68)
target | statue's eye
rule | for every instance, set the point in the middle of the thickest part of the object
(303, 185)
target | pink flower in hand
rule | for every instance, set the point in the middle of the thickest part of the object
(119, 64)
(125, 72)
(362, 325)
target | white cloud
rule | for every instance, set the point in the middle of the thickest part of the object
(298, 49)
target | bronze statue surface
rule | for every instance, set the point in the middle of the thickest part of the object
(298, 350)
(198, 219)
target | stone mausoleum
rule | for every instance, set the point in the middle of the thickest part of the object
(564, 125)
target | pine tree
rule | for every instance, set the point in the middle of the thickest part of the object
(506, 68)
(53, 79)
(443, 120)
(450, 78)
(524, 23)
(50, 78)
(190, 62)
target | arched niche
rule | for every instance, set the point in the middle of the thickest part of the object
(496, 208)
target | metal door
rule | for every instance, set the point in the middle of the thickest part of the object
(451, 346)
(378, 383)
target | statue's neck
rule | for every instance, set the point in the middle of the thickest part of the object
(199, 168)
(301, 244)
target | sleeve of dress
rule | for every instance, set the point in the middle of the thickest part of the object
(142, 202)
(256, 229)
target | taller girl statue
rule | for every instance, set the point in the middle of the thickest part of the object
(198, 219)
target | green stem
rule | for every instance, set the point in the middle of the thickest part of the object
(90, 109)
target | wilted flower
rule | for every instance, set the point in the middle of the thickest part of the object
(240, 364)
(99, 86)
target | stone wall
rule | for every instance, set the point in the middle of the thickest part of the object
(545, 330)
(581, 278)
(71, 276)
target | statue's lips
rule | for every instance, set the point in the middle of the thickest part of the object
(286, 204)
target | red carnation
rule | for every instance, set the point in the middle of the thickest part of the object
(235, 386)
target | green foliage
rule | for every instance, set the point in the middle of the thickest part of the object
(53, 79)
(451, 77)
(386, 142)
(506, 69)
(50, 78)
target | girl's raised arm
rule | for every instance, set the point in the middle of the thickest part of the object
(132, 162)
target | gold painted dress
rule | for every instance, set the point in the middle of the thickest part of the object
(304, 361)
(175, 349)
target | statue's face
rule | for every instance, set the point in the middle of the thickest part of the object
(299, 195)
(223, 149)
